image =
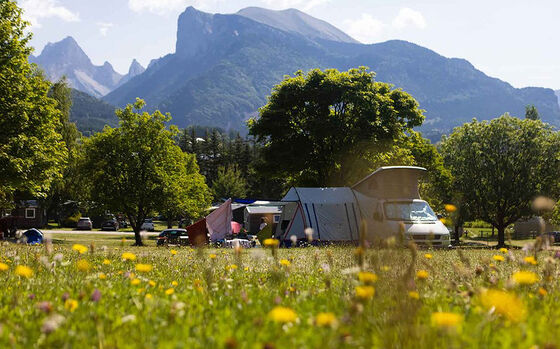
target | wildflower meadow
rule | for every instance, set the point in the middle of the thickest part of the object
(73, 295)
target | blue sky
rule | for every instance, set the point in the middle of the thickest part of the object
(513, 40)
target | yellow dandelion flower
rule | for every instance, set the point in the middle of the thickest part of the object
(231, 267)
(106, 262)
(80, 248)
(148, 296)
(83, 265)
(422, 274)
(71, 304)
(525, 278)
(542, 292)
(503, 250)
(102, 276)
(135, 282)
(152, 283)
(325, 320)
(414, 295)
(530, 260)
(169, 291)
(173, 252)
(4, 267)
(428, 256)
(505, 304)
(450, 208)
(385, 268)
(24, 271)
(285, 262)
(282, 315)
(498, 258)
(365, 292)
(271, 243)
(446, 320)
(367, 278)
(141, 290)
(144, 268)
(174, 283)
(246, 268)
(128, 256)
(212, 256)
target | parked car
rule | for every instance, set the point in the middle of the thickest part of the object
(554, 236)
(84, 223)
(110, 224)
(148, 225)
(173, 236)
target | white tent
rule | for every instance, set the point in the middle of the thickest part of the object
(332, 213)
(218, 222)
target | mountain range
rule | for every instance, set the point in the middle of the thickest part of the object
(66, 58)
(225, 65)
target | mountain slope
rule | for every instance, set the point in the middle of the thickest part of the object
(292, 20)
(66, 58)
(91, 114)
(225, 66)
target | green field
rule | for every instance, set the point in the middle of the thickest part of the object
(297, 298)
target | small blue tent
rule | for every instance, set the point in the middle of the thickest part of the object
(34, 236)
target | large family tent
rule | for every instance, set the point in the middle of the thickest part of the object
(218, 222)
(332, 213)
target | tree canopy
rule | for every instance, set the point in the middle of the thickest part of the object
(137, 169)
(31, 149)
(500, 166)
(324, 127)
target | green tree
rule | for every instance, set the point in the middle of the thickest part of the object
(500, 166)
(137, 168)
(229, 183)
(67, 187)
(189, 196)
(324, 128)
(531, 112)
(31, 150)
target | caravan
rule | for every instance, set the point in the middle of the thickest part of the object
(387, 203)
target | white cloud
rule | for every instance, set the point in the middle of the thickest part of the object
(365, 29)
(104, 28)
(409, 17)
(37, 9)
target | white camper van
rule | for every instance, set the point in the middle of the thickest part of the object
(387, 202)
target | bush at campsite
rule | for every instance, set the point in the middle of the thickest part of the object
(80, 296)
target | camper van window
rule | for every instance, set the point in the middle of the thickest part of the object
(276, 218)
(409, 211)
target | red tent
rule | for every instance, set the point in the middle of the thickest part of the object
(198, 233)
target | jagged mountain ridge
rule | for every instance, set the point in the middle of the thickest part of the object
(67, 58)
(225, 66)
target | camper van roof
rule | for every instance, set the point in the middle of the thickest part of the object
(387, 168)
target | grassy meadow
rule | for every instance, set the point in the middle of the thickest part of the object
(71, 294)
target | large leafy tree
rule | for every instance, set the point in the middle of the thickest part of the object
(67, 187)
(500, 166)
(137, 169)
(324, 127)
(31, 149)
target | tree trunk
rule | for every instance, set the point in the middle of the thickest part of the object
(169, 223)
(137, 236)
(457, 237)
(501, 237)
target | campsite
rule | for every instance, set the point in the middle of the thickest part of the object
(279, 174)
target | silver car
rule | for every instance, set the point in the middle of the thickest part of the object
(84, 224)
